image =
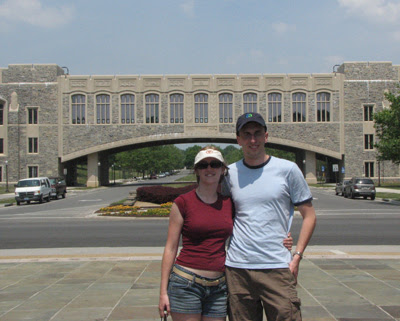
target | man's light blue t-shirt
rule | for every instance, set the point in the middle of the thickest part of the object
(264, 199)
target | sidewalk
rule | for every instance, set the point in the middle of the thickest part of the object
(345, 283)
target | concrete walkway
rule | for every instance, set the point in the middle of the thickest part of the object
(81, 284)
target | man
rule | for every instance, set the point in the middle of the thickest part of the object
(261, 272)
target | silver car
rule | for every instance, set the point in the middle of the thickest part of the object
(360, 186)
(339, 189)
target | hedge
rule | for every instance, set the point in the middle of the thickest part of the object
(161, 194)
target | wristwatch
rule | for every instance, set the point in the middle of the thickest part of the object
(299, 254)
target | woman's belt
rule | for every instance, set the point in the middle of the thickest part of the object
(198, 280)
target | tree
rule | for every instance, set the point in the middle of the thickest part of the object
(387, 125)
(190, 154)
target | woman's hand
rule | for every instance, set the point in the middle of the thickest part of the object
(288, 242)
(163, 305)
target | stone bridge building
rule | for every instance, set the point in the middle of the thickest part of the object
(50, 120)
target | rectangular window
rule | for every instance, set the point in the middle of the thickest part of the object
(1, 174)
(33, 171)
(323, 107)
(127, 109)
(369, 141)
(369, 169)
(103, 109)
(176, 108)
(250, 103)
(368, 112)
(225, 108)
(275, 107)
(1, 114)
(152, 109)
(1, 145)
(201, 108)
(78, 109)
(32, 116)
(299, 107)
(32, 145)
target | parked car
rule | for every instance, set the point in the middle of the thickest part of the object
(58, 187)
(359, 186)
(33, 189)
(153, 176)
(339, 189)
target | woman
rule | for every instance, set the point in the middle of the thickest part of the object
(193, 286)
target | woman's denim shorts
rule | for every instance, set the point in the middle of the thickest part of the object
(187, 296)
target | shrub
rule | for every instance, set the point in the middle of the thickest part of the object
(161, 194)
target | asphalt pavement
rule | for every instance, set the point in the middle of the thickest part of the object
(343, 283)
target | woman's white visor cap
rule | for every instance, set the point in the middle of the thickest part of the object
(208, 153)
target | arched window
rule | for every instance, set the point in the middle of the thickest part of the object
(201, 108)
(299, 107)
(323, 107)
(250, 103)
(103, 109)
(127, 109)
(275, 107)
(176, 108)
(152, 109)
(225, 108)
(78, 109)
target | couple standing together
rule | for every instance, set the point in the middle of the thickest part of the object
(258, 269)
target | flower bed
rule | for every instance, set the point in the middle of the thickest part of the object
(136, 211)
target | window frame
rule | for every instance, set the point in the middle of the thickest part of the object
(103, 109)
(33, 145)
(225, 108)
(176, 107)
(271, 105)
(368, 112)
(1, 145)
(252, 103)
(33, 115)
(77, 107)
(369, 142)
(323, 109)
(2, 111)
(369, 167)
(152, 109)
(35, 168)
(131, 109)
(201, 108)
(303, 107)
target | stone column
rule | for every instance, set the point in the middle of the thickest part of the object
(93, 170)
(310, 167)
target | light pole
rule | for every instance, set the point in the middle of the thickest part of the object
(98, 173)
(113, 167)
(7, 191)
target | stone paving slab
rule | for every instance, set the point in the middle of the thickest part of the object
(344, 289)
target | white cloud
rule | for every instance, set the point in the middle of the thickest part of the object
(381, 11)
(281, 27)
(188, 8)
(34, 13)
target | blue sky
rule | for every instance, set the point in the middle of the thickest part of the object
(198, 36)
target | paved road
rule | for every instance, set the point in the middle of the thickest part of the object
(73, 223)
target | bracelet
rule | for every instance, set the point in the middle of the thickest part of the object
(299, 254)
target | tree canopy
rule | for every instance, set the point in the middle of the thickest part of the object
(387, 125)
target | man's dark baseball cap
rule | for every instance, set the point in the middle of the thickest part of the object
(248, 118)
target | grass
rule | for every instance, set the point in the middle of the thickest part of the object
(390, 196)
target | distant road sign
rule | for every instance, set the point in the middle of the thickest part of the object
(323, 168)
(335, 167)
(342, 169)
